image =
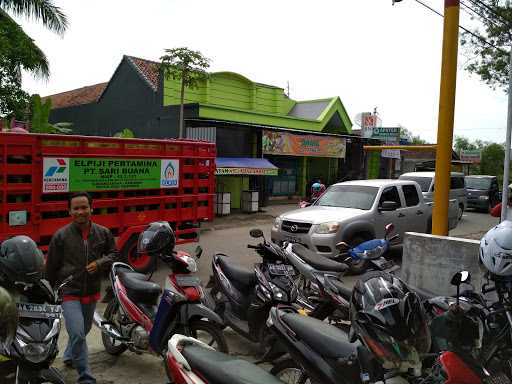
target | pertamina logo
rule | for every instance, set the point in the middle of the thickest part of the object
(56, 170)
(169, 173)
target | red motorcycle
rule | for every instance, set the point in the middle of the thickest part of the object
(190, 361)
(135, 319)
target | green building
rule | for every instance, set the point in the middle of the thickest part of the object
(267, 141)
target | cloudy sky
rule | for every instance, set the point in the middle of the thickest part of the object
(368, 52)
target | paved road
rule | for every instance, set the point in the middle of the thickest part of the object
(142, 369)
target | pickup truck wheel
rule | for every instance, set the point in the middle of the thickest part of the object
(460, 212)
(142, 263)
(357, 268)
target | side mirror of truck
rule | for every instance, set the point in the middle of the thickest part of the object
(387, 206)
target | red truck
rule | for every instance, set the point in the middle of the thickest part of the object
(133, 182)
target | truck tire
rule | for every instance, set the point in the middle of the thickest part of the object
(141, 263)
(361, 266)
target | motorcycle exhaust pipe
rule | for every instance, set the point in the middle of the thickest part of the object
(105, 326)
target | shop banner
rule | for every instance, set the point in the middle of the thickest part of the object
(247, 171)
(103, 174)
(473, 156)
(283, 143)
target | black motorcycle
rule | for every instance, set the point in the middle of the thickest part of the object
(243, 297)
(34, 347)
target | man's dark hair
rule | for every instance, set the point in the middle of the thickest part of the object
(80, 194)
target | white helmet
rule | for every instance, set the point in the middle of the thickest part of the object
(496, 249)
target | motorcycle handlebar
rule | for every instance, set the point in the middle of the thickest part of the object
(253, 246)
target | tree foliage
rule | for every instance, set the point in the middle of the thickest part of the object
(187, 66)
(125, 134)
(40, 116)
(19, 52)
(489, 46)
(492, 160)
(410, 137)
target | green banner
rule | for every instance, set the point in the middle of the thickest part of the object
(103, 174)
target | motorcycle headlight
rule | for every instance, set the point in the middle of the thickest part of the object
(329, 227)
(32, 351)
(483, 197)
(277, 223)
(278, 293)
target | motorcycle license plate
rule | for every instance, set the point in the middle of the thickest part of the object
(188, 281)
(38, 311)
(499, 378)
(281, 269)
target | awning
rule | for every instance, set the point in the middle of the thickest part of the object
(245, 166)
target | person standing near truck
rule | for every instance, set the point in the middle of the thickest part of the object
(82, 249)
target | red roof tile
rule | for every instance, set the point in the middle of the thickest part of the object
(84, 95)
(149, 70)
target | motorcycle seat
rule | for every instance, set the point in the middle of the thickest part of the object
(325, 339)
(344, 292)
(242, 278)
(139, 289)
(219, 368)
(319, 262)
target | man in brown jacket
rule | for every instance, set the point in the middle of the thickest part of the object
(82, 249)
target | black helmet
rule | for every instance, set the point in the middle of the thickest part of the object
(157, 238)
(21, 260)
(8, 317)
(390, 320)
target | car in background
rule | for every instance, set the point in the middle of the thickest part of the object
(356, 211)
(426, 182)
(483, 191)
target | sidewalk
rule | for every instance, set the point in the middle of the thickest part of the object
(237, 219)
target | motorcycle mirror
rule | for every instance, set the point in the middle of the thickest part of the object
(461, 277)
(342, 246)
(199, 251)
(256, 233)
(389, 229)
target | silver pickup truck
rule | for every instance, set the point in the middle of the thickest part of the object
(355, 211)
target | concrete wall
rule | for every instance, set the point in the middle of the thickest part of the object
(429, 261)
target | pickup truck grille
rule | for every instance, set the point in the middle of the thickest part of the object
(294, 227)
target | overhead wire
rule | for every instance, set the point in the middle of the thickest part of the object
(483, 40)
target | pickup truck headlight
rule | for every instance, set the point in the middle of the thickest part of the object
(329, 227)
(277, 223)
(483, 197)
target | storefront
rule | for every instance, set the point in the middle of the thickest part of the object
(302, 158)
(238, 174)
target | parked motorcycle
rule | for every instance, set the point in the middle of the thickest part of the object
(369, 255)
(243, 297)
(34, 347)
(132, 320)
(190, 361)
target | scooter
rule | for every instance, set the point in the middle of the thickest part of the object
(190, 361)
(132, 319)
(243, 297)
(34, 347)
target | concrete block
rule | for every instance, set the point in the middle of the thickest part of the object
(429, 262)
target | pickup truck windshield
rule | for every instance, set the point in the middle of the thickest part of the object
(478, 183)
(348, 196)
(424, 182)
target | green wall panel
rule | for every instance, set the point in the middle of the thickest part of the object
(235, 185)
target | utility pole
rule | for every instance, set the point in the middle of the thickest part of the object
(506, 164)
(446, 116)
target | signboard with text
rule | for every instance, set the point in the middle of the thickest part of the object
(473, 156)
(283, 143)
(103, 174)
(247, 171)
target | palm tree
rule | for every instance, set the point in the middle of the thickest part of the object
(33, 59)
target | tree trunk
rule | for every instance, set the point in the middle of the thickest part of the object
(182, 107)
